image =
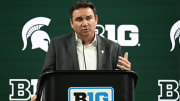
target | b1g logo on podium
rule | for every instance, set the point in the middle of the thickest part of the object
(90, 94)
(168, 90)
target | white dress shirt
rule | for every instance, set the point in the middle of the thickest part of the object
(90, 52)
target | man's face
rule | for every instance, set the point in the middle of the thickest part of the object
(84, 22)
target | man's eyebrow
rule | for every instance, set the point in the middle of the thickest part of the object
(89, 16)
(78, 18)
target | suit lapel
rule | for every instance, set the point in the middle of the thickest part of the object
(100, 53)
(73, 51)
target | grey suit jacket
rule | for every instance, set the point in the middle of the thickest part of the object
(62, 54)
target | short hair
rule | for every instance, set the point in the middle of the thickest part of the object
(82, 4)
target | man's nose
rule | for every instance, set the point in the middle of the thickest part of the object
(84, 23)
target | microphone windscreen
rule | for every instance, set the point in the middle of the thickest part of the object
(83, 42)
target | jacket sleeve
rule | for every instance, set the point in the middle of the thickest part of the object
(118, 53)
(50, 60)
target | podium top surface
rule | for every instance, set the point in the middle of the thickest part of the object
(90, 72)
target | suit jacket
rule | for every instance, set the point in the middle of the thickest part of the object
(62, 54)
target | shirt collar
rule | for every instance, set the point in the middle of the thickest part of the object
(78, 41)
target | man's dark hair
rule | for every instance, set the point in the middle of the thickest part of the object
(82, 4)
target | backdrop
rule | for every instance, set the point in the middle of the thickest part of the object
(148, 29)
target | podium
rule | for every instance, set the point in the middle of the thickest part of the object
(87, 86)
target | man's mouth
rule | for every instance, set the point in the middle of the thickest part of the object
(85, 30)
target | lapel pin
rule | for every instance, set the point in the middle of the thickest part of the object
(102, 51)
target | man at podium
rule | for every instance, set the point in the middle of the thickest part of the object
(83, 49)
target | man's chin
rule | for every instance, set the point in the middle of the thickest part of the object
(86, 34)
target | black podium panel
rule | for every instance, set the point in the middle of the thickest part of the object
(58, 85)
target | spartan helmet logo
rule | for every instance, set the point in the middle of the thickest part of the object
(174, 34)
(39, 38)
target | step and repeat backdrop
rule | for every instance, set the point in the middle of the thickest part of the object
(148, 29)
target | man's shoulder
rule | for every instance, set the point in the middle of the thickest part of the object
(107, 41)
(64, 37)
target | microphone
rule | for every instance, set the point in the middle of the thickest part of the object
(84, 42)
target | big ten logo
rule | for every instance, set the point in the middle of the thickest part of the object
(90, 94)
(127, 35)
(22, 89)
(168, 90)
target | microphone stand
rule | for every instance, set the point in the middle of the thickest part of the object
(84, 42)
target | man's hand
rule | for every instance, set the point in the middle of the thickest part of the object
(34, 98)
(125, 64)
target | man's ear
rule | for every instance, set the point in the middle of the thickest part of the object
(71, 22)
(96, 18)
